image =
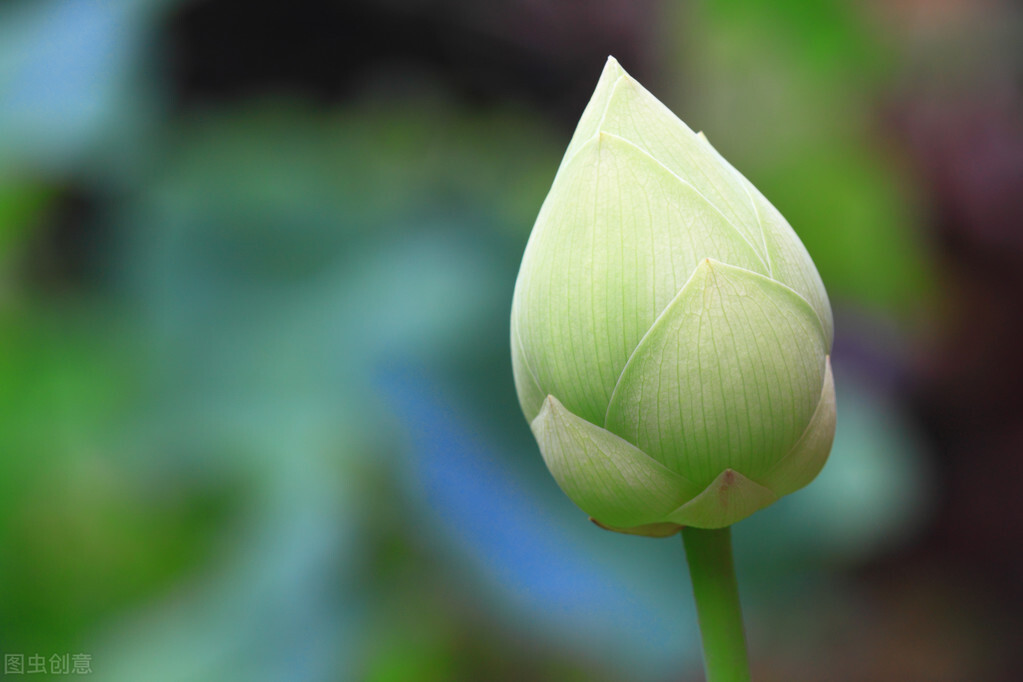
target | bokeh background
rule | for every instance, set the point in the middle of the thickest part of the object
(257, 419)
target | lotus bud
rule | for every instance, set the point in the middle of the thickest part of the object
(670, 334)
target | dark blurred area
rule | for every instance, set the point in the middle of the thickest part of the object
(256, 412)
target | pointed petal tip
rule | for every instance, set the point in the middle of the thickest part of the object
(705, 141)
(549, 404)
(705, 270)
(729, 498)
(613, 67)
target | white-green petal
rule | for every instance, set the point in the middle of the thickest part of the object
(731, 497)
(808, 456)
(618, 237)
(609, 479)
(729, 375)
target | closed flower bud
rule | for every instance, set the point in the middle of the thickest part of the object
(670, 333)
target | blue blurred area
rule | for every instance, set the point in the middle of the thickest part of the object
(537, 567)
(256, 412)
(73, 81)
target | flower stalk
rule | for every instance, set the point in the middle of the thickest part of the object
(709, 555)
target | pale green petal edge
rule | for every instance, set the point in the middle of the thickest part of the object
(527, 386)
(742, 359)
(611, 480)
(792, 264)
(810, 453)
(731, 497)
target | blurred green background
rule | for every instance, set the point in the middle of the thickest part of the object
(256, 412)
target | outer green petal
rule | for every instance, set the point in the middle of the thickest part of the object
(728, 376)
(788, 259)
(617, 238)
(729, 498)
(808, 455)
(609, 479)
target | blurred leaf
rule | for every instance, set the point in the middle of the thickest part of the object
(80, 539)
(22, 204)
(858, 218)
(828, 38)
(287, 252)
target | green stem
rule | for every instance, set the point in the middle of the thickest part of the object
(709, 554)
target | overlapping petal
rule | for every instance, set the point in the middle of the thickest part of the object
(611, 480)
(728, 376)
